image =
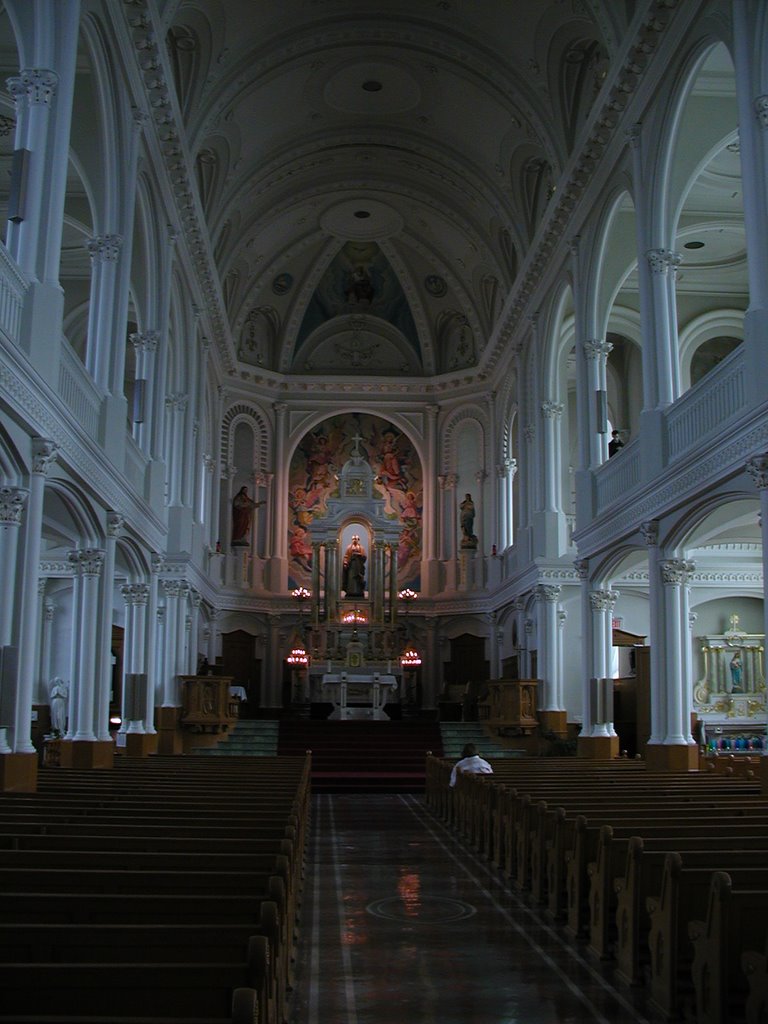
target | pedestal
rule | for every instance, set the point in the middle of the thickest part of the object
(169, 738)
(85, 754)
(140, 744)
(18, 773)
(555, 722)
(597, 748)
(673, 757)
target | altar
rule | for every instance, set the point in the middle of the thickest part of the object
(358, 694)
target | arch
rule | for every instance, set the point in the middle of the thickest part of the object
(710, 325)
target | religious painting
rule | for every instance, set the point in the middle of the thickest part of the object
(313, 479)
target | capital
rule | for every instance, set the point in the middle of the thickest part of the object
(761, 111)
(11, 505)
(44, 454)
(87, 562)
(661, 261)
(551, 410)
(676, 571)
(34, 86)
(115, 523)
(547, 593)
(582, 568)
(104, 248)
(144, 341)
(757, 468)
(603, 600)
(650, 532)
(597, 348)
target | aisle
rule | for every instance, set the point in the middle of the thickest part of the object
(400, 924)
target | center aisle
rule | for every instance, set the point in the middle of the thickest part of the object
(400, 923)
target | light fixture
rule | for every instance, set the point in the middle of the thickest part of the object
(410, 658)
(301, 594)
(355, 616)
(298, 656)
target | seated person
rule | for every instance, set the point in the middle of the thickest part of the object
(471, 763)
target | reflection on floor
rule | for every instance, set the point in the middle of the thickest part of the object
(401, 924)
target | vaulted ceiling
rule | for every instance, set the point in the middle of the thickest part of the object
(372, 174)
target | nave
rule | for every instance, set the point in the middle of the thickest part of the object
(401, 922)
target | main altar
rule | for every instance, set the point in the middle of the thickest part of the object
(352, 635)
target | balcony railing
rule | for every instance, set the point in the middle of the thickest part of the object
(79, 392)
(707, 406)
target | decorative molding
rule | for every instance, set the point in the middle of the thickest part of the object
(757, 467)
(551, 410)
(104, 248)
(44, 454)
(676, 571)
(547, 593)
(87, 561)
(596, 348)
(603, 600)
(115, 524)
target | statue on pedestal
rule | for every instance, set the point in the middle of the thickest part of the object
(467, 520)
(353, 569)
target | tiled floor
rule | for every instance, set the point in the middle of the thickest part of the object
(400, 924)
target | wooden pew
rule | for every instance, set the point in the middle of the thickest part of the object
(735, 921)
(684, 892)
(754, 963)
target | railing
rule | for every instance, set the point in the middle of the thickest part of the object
(12, 290)
(707, 406)
(135, 464)
(79, 392)
(619, 475)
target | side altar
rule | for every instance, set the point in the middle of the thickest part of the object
(729, 698)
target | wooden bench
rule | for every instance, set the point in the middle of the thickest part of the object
(642, 880)
(684, 892)
(754, 963)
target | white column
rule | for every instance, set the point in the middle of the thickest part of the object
(549, 636)
(596, 352)
(552, 454)
(88, 564)
(40, 692)
(559, 680)
(650, 531)
(279, 503)
(12, 500)
(45, 651)
(587, 646)
(491, 535)
(153, 658)
(170, 630)
(145, 346)
(663, 264)
(194, 633)
(602, 604)
(675, 574)
(213, 649)
(758, 470)
(104, 251)
(451, 481)
(115, 523)
(43, 455)
(177, 407)
(182, 638)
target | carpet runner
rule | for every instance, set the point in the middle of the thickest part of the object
(363, 757)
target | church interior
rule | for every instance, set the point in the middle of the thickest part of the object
(377, 379)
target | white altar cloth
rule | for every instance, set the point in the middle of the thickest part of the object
(358, 694)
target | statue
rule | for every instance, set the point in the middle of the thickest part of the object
(58, 698)
(242, 514)
(353, 569)
(736, 673)
(467, 519)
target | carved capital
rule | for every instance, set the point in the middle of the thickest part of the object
(676, 571)
(33, 87)
(757, 468)
(582, 568)
(661, 261)
(104, 248)
(144, 341)
(43, 455)
(115, 523)
(603, 600)
(650, 532)
(157, 562)
(547, 593)
(11, 505)
(761, 111)
(551, 410)
(87, 562)
(597, 348)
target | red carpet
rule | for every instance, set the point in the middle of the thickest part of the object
(363, 757)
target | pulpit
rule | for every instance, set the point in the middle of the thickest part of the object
(207, 704)
(510, 704)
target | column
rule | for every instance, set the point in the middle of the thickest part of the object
(671, 746)
(45, 652)
(552, 454)
(12, 501)
(170, 643)
(115, 522)
(182, 638)
(43, 455)
(758, 470)
(279, 550)
(273, 680)
(176, 404)
(40, 689)
(663, 264)
(194, 632)
(493, 646)
(552, 715)
(104, 251)
(213, 647)
(480, 520)
(145, 346)
(153, 658)
(88, 565)
(753, 143)
(587, 647)
(596, 352)
(602, 604)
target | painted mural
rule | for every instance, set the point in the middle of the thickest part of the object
(316, 462)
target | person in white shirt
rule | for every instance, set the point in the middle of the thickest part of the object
(471, 763)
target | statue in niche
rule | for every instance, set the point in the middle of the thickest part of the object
(467, 520)
(736, 673)
(58, 697)
(353, 569)
(243, 506)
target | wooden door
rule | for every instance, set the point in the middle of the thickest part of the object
(238, 661)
